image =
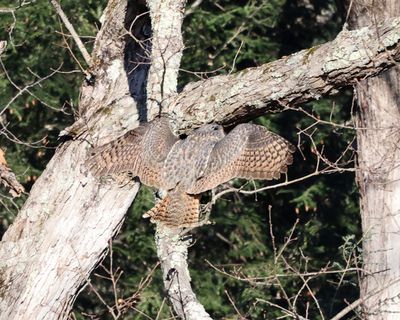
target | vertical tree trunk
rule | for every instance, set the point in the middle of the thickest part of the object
(167, 46)
(379, 175)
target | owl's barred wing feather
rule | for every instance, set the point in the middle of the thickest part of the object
(141, 152)
(248, 151)
(186, 168)
(266, 156)
(117, 156)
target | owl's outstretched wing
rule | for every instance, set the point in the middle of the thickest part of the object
(248, 151)
(141, 152)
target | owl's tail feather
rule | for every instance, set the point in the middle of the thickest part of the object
(176, 210)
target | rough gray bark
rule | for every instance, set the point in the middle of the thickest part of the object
(64, 227)
(172, 251)
(379, 175)
(304, 76)
(166, 53)
(289, 81)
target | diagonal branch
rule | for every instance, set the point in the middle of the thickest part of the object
(289, 81)
(72, 31)
(301, 77)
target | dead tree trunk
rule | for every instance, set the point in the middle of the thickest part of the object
(379, 175)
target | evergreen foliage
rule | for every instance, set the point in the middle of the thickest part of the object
(252, 256)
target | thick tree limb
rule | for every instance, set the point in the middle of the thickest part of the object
(172, 251)
(289, 81)
(167, 46)
(378, 177)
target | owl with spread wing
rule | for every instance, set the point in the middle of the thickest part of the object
(185, 168)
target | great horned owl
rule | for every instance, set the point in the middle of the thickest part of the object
(185, 168)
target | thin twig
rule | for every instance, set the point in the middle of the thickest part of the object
(193, 7)
(71, 29)
(234, 305)
(286, 183)
(236, 56)
(71, 52)
(267, 280)
(358, 302)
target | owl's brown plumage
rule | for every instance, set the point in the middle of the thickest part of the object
(186, 168)
(141, 151)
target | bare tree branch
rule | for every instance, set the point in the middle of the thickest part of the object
(71, 29)
(289, 81)
(285, 83)
(360, 301)
(172, 251)
(192, 7)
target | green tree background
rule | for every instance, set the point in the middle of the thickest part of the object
(278, 247)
